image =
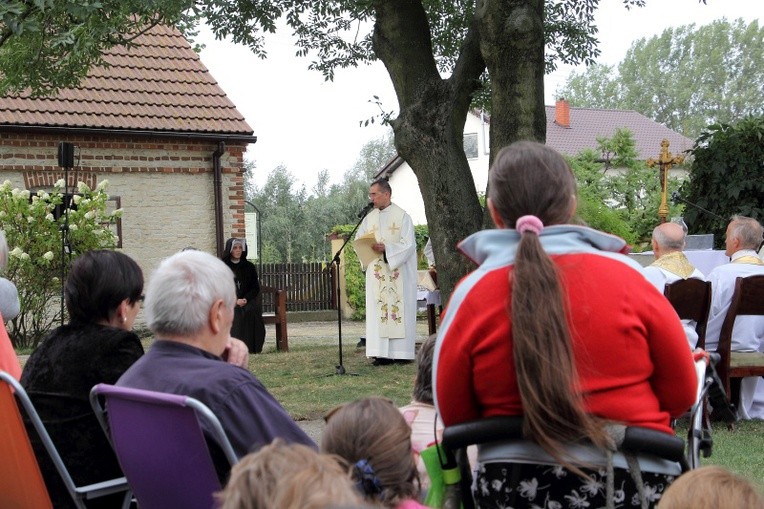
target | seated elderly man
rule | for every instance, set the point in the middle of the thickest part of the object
(743, 237)
(189, 307)
(671, 265)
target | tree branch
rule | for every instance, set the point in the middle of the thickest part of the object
(401, 40)
(465, 79)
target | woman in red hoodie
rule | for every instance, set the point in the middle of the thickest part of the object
(556, 325)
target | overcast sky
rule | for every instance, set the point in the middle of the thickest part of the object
(308, 124)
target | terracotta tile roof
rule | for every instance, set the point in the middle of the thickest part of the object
(159, 84)
(587, 124)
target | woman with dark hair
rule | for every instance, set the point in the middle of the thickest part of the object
(248, 323)
(557, 326)
(103, 296)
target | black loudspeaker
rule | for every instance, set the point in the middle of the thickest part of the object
(66, 154)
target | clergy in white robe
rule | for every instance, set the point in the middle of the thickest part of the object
(748, 331)
(671, 265)
(391, 278)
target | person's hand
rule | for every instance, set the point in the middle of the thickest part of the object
(236, 353)
(241, 302)
(698, 354)
(379, 247)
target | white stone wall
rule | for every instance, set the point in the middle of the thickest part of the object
(164, 213)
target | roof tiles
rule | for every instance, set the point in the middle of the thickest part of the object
(587, 124)
(156, 84)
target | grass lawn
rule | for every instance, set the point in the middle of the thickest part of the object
(304, 379)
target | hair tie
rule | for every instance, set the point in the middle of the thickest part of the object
(367, 481)
(529, 224)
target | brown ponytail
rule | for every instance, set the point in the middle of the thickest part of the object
(528, 178)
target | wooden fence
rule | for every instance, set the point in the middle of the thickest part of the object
(309, 286)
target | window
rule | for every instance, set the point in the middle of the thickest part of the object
(112, 204)
(471, 145)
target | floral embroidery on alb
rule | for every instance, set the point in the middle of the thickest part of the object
(389, 300)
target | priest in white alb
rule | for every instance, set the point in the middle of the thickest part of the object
(744, 235)
(391, 279)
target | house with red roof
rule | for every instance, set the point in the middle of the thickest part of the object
(568, 130)
(156, 125)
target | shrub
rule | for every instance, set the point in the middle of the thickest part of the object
(38, 256)
(355, 280)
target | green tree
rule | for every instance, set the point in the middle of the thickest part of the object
(617, 193)
(283, 223)
(727, 176)
(598, 86)
(295, 224)
(353, 193)
(686, 78)
(440, 56)
(33, 230)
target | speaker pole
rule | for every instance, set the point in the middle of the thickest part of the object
(66, 161)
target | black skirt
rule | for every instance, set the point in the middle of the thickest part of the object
(537, 486)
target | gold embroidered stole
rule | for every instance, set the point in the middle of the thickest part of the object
(389, 285)
(749, 259)
(676, 263)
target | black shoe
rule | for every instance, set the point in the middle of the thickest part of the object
(361, 343)
(382, 361)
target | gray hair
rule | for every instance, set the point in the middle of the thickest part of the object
(669, 236)
(748, 230)
(183, 289)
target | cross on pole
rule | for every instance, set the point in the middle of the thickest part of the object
(665, 161)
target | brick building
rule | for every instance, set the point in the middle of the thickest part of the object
(156, 125)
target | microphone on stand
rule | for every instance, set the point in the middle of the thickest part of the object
(365, 210)
(676, 199)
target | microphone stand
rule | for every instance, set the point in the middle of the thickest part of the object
(339, 368)
(676, 198)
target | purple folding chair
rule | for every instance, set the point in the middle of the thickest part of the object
(159, 442)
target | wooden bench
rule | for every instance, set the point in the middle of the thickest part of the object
(278, 317)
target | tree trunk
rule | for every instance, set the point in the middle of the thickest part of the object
(508, 39)
(512, 45)
(429, 128)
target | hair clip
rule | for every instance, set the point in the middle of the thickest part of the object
(367, 481)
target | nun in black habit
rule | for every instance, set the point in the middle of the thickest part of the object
(248, 323)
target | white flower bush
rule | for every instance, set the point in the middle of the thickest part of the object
(33, 228)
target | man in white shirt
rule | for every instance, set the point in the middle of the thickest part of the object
(743, 237)
(671, 265)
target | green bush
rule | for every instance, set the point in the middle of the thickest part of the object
(355, 280)
(727, 176)
(35, 260)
